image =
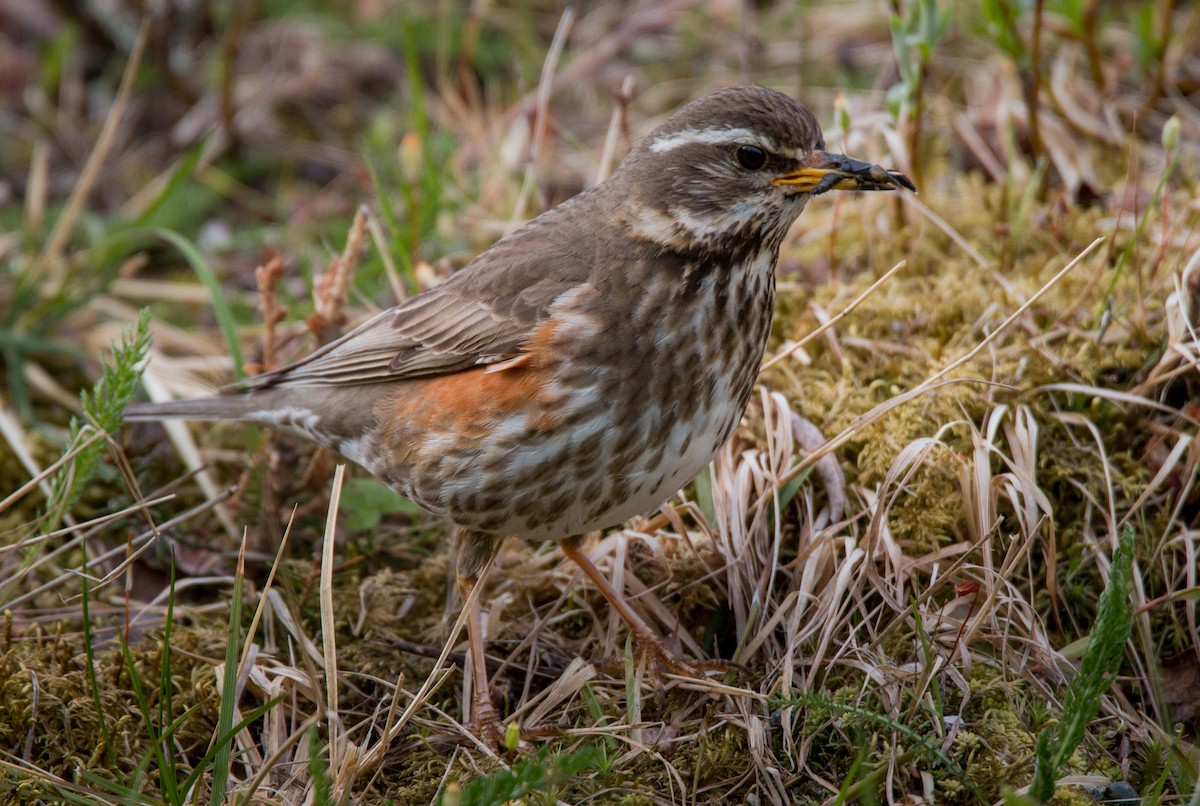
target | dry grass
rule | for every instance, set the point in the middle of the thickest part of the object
(901, 550)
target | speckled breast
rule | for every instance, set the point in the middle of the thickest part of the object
(632, 407)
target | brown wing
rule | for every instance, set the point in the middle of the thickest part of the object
(481, 315)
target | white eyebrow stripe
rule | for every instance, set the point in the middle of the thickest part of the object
(730, 136)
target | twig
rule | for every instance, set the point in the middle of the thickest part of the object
(268, 276)
(331, 290)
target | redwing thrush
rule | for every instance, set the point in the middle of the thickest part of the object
(584, 368)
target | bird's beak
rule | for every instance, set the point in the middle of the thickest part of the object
(822, 171)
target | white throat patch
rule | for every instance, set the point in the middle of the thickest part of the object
(679, 227)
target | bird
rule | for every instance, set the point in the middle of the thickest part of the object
(585, 367)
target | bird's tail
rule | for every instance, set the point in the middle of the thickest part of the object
(243, 406)
(329, 416)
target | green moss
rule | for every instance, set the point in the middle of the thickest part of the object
(47, 707)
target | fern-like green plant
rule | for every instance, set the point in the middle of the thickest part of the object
(1097, 671)
(542, 772)
(103, 409)
(820, 702)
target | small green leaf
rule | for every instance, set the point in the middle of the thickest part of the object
(368, 501)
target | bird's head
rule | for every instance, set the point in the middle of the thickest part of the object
(736, 165)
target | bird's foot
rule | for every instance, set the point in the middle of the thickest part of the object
(488, 728)
(650, 652)
(485, 723)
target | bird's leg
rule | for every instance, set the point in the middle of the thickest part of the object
(484, 717)
(644, 638)
(475, 553)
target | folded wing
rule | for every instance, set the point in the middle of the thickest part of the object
(481, 315)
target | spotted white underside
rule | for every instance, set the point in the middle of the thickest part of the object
(649, 478)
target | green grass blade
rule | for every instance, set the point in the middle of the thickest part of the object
(32, 343)
(704, 495)
(403, 248)
(165, 709)
(221, 307)
(130, 792)
(318, 770)
(223, 760)
(89, 653)
(179, 174)
(223, 739)
(1138, 229)
(156, 744)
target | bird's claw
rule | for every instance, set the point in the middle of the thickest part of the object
(659, 661)
(488, 729)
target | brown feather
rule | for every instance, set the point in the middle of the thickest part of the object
(481, 315)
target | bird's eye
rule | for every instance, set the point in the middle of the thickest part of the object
(751, 157)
